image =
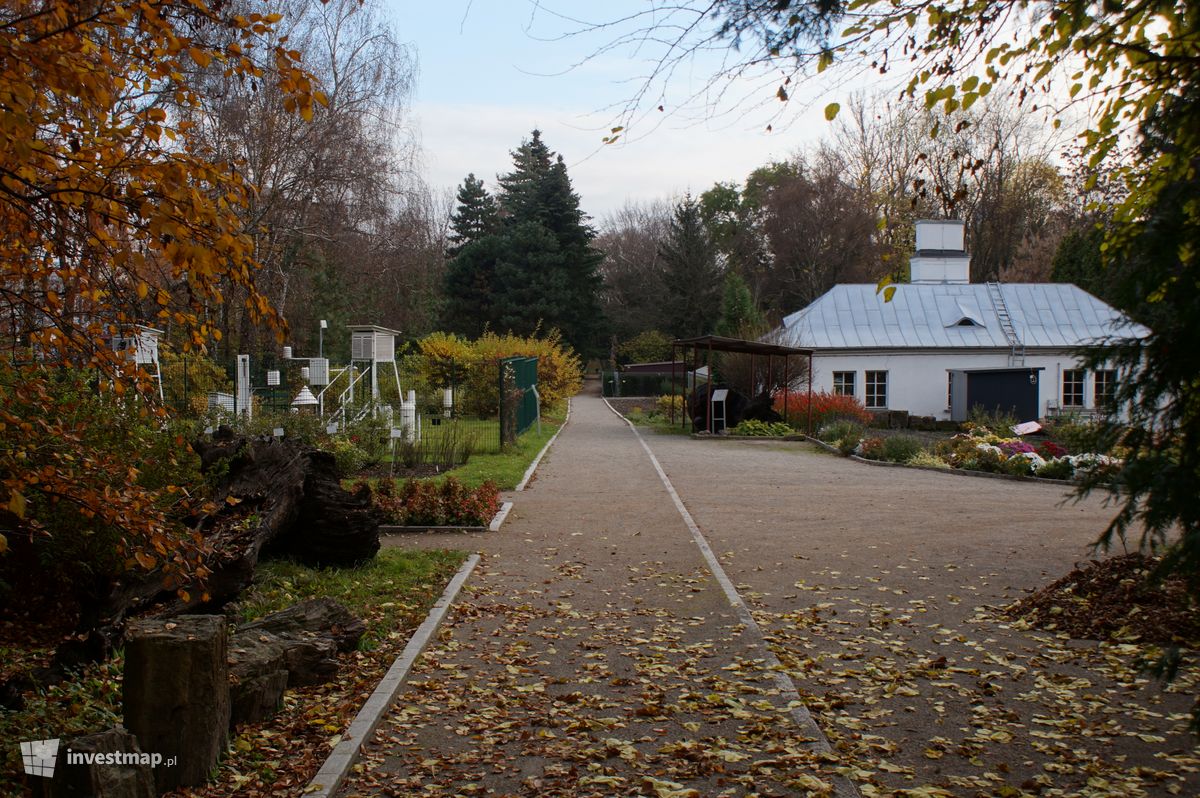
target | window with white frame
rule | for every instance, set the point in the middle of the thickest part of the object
(843, 383)
(1104, 382)
(1072, 388)
(876, 383)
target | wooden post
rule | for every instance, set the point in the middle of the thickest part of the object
(810, 396)
(176, 694)
(708, 407)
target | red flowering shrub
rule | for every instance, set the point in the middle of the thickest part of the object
(424, 503)
(826, 409)
(1049, 450)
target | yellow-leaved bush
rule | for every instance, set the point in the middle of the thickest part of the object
(447, 360)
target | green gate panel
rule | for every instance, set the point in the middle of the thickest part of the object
(518, 396)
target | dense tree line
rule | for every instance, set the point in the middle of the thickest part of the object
(843, 211)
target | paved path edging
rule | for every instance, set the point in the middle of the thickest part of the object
(787, 688)
(533, 466)
(343, 756)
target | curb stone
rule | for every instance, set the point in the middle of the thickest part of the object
(537, 460)
(343, 756)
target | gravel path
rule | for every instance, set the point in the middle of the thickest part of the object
(595, 654)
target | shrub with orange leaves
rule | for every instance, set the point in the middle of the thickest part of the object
(826, 409)
(112, 214)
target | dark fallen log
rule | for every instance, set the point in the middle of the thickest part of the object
(258, 676)
(294, 647)
(274, 496)
(322, 616)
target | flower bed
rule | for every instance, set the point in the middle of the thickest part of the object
(977, 449)
(423, 503)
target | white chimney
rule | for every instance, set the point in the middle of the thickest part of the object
(941, 256)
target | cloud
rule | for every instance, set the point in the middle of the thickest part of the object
(666, 162)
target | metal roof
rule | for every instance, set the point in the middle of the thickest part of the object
(718, 343)
(931, 316)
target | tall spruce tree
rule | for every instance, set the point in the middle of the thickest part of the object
(538, 266)
(691, 273)
(475, 216)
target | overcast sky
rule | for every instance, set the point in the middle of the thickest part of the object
(492, 70)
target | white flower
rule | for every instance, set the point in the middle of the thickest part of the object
(1090, 460)
(987, 447)
(1052, 461)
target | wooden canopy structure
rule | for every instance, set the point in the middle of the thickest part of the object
(755, 349)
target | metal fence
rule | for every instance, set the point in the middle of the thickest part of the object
(490, 410)
(619, 383)
(518, 397)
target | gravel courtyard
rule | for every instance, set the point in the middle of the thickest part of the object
(595, 653)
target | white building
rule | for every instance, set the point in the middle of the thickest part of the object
(901, 355)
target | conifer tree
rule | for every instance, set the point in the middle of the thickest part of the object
(475, 216)
(740, 318)
(537, 266)
(691, 273)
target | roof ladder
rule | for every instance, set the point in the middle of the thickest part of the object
(1016, 354)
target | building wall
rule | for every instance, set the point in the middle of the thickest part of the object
(918, 381)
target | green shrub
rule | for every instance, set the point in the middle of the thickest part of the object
(1057, 468)
(442, 359)
(870, 448)
(762, 429)
(424, 503)
(1021, 465)
(350, 458)
(837, 430)
(993, 419)
(850, 439)
(1077, 436)
(114, 481)
(664, 405)
(650, 346)
(900, 448)
(373, 436)
(305, 428)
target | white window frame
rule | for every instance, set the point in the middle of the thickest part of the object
(871, 389)
(1073, 377)
(839, 389)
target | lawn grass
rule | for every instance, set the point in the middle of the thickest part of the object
(659, 423)
(392, 591)
(507, 467)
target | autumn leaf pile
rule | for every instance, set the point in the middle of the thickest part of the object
(1115, 599)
